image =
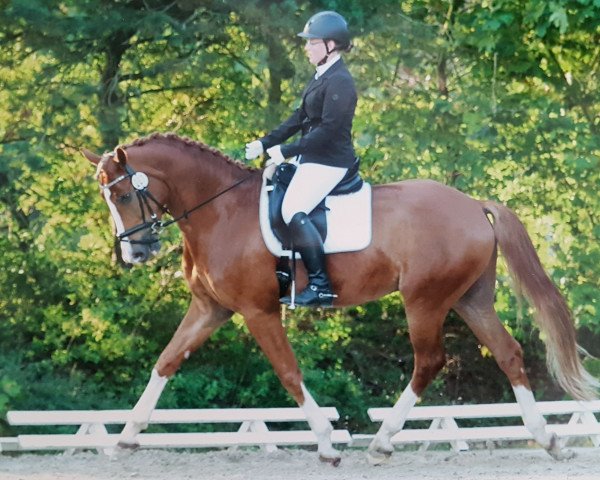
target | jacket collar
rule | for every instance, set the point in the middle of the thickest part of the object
(321, 69)
(314, 83)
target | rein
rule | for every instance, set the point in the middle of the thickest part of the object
(139, 181)
(186, 213)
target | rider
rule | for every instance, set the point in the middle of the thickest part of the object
(325, 151)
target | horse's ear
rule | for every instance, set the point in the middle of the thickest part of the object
(121, 156)
(91, 156)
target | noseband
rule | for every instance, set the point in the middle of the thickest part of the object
(139, 181)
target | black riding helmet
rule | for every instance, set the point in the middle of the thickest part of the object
(328, 25)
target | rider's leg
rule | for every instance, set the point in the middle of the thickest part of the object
(307, 241)
(310, 184)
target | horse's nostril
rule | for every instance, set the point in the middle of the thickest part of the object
(140, 256)
(155, 247)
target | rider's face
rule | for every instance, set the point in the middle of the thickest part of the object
(315, 50)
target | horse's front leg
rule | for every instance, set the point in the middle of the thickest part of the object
(201, 320)
(270, 335)
(140, 414)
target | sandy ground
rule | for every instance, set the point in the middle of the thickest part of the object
(296, 464)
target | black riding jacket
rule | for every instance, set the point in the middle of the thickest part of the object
(325, 120)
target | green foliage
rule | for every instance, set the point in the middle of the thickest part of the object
(497, 99)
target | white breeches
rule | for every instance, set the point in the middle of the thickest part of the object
(310, 184)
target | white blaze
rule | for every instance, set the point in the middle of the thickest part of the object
(126, 251)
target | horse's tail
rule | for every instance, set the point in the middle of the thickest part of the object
(551, 311)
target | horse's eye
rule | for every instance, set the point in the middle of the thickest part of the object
(125, 198)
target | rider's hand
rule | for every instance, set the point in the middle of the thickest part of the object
(269, 170)
(275, 155)
(254, 149)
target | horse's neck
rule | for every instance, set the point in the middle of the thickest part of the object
(193, 175)
(193, 172)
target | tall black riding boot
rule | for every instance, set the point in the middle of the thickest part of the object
(307, 241)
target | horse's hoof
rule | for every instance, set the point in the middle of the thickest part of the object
(122, 450)
(378, 457)
(558, 453)
(562, 454)
(334, 461)
(127, 446)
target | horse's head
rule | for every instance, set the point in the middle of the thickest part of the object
(135, 210)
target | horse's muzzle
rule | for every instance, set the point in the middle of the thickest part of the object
(142, 251)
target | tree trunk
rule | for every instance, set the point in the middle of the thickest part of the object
(112, 103)
(110, 94)
(280, 68)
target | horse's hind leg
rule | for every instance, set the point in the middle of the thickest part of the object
(425, 328)
(477, 309)
(202, 318)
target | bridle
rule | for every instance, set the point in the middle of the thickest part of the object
(140, 182)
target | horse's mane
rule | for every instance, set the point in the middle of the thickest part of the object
(188, 142)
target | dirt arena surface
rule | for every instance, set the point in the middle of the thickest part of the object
(296, 464)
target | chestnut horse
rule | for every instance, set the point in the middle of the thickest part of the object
(434, 244)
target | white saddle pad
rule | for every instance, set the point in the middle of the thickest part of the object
(348, 222)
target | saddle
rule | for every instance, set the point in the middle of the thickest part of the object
(343, 218)
(351, 183)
